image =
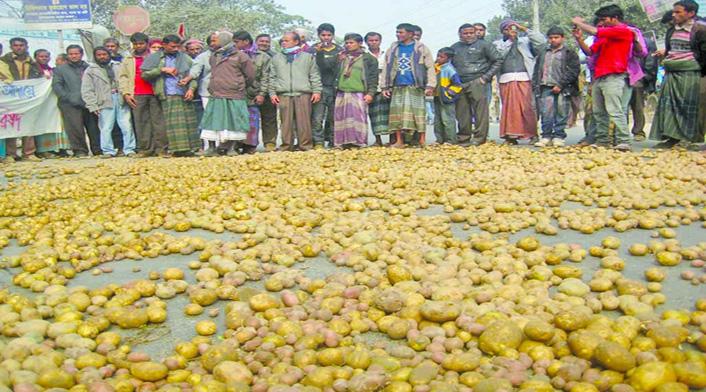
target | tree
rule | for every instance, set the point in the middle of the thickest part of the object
(204, 16)
(559, 13)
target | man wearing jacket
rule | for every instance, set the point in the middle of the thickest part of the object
(99, 90)
(646, 85)
(139, 95)
(407, 77)
(19, 65)
(326, 53)
(294, 85)
(165, 70)
(555, 81)
(78, 120)
(518, 119)
(476, 61)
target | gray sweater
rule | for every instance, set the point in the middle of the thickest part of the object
(66, 83)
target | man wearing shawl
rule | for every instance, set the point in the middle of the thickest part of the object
(194, 48)
(49, 144)
(518, 119)
(677, 116)
(357, 83)
(226, 117)
(164, 69)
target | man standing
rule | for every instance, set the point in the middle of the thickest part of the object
(226, 117)
(194, 48)
(99, 90)
(116, 55)
(555, 81)
(677, 116)
(78, 120)
(257, 90)
(18, 65)
(642, 88)
(476, 61)
(612, 48)
(164, 69)
(518, 119)
(379, 109)
(139, 95)
(294, 84)
(268, 111)
(326, 53)
(50, 144)
(408, 76)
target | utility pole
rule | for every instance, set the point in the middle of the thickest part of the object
(535, 15)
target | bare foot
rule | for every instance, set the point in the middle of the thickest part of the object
(397, 145)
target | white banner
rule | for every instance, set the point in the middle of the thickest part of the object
(28, 108)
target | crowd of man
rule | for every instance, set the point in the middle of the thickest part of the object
(172, 97)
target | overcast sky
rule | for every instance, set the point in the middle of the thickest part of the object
(438, 18)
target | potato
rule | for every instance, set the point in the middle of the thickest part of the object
(499, 336)
(148, 371)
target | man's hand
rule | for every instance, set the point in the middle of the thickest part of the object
(368, 99)
(274, 99)
(429, 91)
(130, 100)
(577, 20)
(315, 97)
(169, 71)
(97, 113)
(184, 81)
(481, 81)
(259, 100)
(189, 95)
(577, 33)
(659, 53)
(520, 27)
(387, 94)
(556, 89)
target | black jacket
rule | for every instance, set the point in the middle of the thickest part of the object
(698, 43)
(327, 61)
(570, 69)
(66, 83)
(478, 59)
(650, 66)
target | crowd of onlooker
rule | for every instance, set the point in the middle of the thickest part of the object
(176, 97)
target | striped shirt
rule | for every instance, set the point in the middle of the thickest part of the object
(680, 43)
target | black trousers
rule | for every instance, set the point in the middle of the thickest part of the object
(79, 122)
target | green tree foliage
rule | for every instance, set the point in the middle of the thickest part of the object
(559, 13)
(204, 16)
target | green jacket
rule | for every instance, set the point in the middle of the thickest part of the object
(155, 76)
(301, 76)
(261, 60)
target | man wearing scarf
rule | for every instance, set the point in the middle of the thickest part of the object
(99, 91)
(518, 119)
(164, 69)
(294, 84)
(226, 117)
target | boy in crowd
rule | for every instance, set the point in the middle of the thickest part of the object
(556, 77)
(448, 88)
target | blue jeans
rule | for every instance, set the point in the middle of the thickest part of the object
(554, 109)
(611, 99)
(106, 121)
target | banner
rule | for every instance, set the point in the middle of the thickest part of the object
(57, 14)
(28, 108)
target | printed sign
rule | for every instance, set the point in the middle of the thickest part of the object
(28, 108)
(57, 14)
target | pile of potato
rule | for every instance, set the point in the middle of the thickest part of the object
(410, 306)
